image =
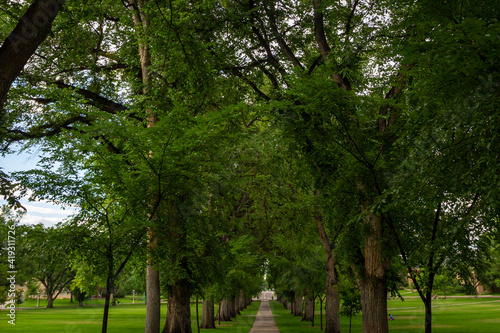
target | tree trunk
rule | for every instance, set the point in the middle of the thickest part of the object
(428, 313)
(223, 314)
(372, 282)
(308, 309)
(218, 316)
(80, 303)
(321, 313)
(153, 302)
(298, 305)
(243, 303)
(292, 305)
(236, 305)
(374, 304)
(197, 316)
(332, 298)
(207, 314)
(332, 320)
(178, 308)
(106, 305)
(313, 308)
(232, 312)
(50, 300)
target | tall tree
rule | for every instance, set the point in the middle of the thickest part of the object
(442, 182)
(366, 93)
(142, 26)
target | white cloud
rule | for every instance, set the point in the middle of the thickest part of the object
(48, 209)
(46, 221)
(45, 213)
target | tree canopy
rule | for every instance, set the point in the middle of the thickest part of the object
(209, 128)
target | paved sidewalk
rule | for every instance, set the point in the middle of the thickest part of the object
(264, 323)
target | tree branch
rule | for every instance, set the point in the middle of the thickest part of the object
(348, 25)
(319, 30)
(252, 84)
(46, 130)
(265, 44)
(29, 33)
(324, 48)
(279, 38)
(96, 100)
(321, 229)
(395, 90)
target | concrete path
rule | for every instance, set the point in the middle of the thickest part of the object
(264, 323)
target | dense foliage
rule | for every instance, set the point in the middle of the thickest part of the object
(215, 139)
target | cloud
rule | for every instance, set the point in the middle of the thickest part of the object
(48, 210)
(46, 214)
(46, 221)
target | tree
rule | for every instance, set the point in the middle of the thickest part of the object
(103, 236)
(44, 252)
(488, 270)
(168, 190)
(79, 295)
(106, 243)
(350, 301)
(441, 183)
(314, 275)
(379, 101)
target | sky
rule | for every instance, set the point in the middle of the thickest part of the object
(37, 211)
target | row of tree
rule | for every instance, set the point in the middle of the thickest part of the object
(89, 260)
(189, 126)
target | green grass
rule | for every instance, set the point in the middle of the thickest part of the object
(29, 303)
(122, 318)
(449, 315)
(414, 293)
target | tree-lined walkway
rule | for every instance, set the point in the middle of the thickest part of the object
(264, 323)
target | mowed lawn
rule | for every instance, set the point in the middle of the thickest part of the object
(122, 318)
(449, 315)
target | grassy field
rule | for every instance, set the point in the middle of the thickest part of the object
(122, 318)
(480, 315)
(31, 303)
(449, 315)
